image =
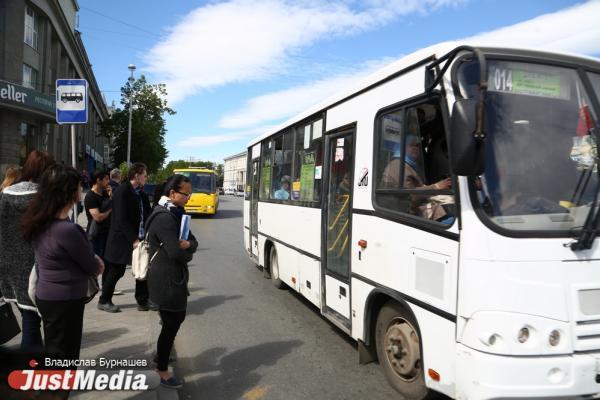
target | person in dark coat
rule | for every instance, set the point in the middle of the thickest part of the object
(16, 254)
(168, 272)
(130, 211)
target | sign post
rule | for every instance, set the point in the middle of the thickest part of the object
(72, 108)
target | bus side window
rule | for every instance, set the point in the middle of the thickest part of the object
(266, 168)
(413, 156)
(282, 165)
(308, 157)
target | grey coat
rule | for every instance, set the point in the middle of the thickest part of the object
(16, 255)
(168, 273)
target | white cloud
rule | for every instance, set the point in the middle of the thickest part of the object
(575, 29)
(210, 140)
(283, 103)
(245, 40)
(572, 30)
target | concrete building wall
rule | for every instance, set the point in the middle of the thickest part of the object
(234, 171)
(57, 53)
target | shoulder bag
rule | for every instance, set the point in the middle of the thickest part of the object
(9, 326)
(140, 257)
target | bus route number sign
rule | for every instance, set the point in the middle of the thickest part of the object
(531, 83)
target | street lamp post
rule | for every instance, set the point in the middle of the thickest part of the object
(131, 67)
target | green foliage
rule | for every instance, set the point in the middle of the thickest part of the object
(163, 173)
(124, 170)
(148, 124)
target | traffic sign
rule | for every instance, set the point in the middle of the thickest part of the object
(71, 101)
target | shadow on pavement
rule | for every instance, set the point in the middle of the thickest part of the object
(232, 375)
(92, 338)
(134, 351)
(199, 305)
(225, 214)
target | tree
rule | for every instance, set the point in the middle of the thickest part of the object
(148, 124)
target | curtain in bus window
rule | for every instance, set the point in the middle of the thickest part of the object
(282, 166)
(266, 169)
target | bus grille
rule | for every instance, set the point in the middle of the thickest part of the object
(588, 335)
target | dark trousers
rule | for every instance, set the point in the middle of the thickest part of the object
(171, 321)
(112, 274)
(99, 244)
(31, 339)
(141, 292)
(63, 326)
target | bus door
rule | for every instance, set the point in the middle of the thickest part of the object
(254, 181)
(337, 227)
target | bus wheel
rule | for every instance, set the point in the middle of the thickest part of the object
(399, 351)
(274, 265)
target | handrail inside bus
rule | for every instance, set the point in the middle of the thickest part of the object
(339, 215)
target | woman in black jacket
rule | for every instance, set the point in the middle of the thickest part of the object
(168, 273)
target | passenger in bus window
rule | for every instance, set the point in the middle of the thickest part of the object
(414, 179)
(283, 193)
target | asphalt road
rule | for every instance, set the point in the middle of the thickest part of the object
(245, 339)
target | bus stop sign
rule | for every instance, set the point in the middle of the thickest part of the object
(71, 101)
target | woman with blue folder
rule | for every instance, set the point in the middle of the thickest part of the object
(168, 273)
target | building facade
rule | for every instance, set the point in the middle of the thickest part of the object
(39, 43)
(234, 172)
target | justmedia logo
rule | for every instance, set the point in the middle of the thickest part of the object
(30, 379)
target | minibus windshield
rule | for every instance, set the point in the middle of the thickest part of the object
(541, 152)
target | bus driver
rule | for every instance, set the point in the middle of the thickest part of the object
(414, 179)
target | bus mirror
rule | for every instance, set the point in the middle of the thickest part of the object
(467, 150)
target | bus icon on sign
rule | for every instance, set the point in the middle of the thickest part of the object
(76, 97)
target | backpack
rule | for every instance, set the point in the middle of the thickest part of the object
(140, 257)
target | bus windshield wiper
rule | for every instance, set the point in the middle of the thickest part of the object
(590, 227)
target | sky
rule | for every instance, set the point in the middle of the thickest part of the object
(235, 69)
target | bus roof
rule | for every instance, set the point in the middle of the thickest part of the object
(437, 51)
(194, 169)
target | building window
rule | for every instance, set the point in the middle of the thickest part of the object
(29, 76)
(31, 27)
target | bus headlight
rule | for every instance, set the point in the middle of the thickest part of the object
(507, 333)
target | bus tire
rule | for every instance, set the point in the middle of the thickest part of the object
(399, 351)
(274, 268)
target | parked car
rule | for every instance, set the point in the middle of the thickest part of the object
(239, 193)
(220, 190)
(230, 191)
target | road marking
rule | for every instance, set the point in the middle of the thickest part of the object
(256, 393)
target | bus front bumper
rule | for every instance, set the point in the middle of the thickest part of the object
(200, 209)
(489, 376)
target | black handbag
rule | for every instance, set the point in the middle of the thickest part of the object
(9, 326)
(93, 288)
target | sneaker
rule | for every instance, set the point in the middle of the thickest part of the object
(118, 293)
(142, 307)
(108, 307)
(171, 383)
(152, 306)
